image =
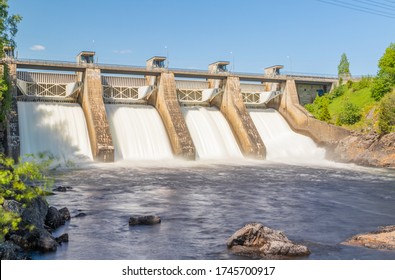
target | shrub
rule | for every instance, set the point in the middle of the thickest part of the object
(365, 82)
(350, 114)
(338, 91)
(387, 114)
(319, 108)
(381, 86)
(21, 182)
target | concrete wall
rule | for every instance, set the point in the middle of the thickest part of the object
(302, 121)
(166, 102)
(92, 104)
(231, 104)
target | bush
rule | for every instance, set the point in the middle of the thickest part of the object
(319, 108)
(350, 114)
(365, 82)
(387, 114)
(20, 182)
(380, 87)
(338, 91)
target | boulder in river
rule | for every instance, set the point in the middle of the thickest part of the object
(257, 241)
(144, 220)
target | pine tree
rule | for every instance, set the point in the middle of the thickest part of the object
(344, 66)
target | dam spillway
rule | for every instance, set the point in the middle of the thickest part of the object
(56, 128)
(138, 133)
(281, 142)
(211, 133)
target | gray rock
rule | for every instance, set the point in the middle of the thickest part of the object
(54, 219)
(65, 213)
(35, 212)
(46, 242)
(144, 220)
(257, 241)
(11, 251)
(13, 206)
(63, 238)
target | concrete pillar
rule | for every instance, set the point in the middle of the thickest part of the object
(166, 102)
(231, 104)
(92, 104)
(303, 122)
(12, 141)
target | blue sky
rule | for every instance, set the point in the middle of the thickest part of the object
(306, 36)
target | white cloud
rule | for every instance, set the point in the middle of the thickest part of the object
(127, 51)
(37, 48)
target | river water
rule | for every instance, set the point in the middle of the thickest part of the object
(203, 203)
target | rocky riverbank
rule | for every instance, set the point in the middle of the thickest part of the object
(382, 239)
(34, 233)
(366, 149)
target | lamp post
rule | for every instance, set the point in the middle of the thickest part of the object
(233, 62)
(167, 57)
(290, 62)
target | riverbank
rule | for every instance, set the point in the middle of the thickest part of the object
(366, 150)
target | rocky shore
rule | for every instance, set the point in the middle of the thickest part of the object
(382, 239)
(34, 233)
(366, 149)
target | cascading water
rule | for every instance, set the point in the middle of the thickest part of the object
(138, 133)
(211, 133)
(57, 128)
(281, 142)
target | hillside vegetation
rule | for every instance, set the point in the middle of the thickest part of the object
(367, 105)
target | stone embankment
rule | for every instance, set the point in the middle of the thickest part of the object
(367, 149)
(382, 239)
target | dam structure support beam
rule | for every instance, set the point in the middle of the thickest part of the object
(302, 121)
(231, 105)
(164, 99)
(92, 104)
(12, 140)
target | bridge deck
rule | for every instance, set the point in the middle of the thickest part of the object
(183, 73)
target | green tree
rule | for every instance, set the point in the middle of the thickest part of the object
(8, 26)
(343, 69)
(387, 64)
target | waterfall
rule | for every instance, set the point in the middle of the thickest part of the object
(281, 142)
(211, 133)
(138, 133)
(57, 128)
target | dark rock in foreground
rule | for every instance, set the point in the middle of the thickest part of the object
(257, 241)
(382, 239)
(144, 220)
(11, 251)
(64, 238)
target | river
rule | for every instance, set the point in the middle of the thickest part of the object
(203, 203)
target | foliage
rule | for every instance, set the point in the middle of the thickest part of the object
(387, 64)
(8, 26)
(338, 91)
(350, 114)
(387, 114)
(381, 86)
(344, 66)
(319, 108)
(5, 96)
(21, 182)
(365, 82)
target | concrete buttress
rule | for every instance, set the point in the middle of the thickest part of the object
(231, 104)
(166, 102)
(92, 104)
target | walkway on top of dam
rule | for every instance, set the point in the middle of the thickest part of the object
(184, 73)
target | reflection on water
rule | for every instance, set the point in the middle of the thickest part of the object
(201, 205)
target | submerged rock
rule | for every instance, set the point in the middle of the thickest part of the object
(382, 239)
(62, 189)
(63, 238)
(144, 220)
(257, 241)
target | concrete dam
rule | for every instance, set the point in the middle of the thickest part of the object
(89, 111)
